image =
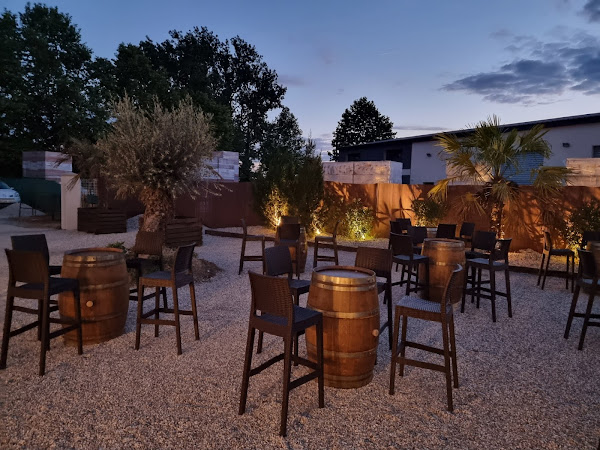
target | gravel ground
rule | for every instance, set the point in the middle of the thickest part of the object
(521, 384)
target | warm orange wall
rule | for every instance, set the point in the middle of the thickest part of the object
(523, 225)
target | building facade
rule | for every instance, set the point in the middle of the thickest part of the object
(575, 137)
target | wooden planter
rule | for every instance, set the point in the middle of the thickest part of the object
(101, 220)
(183, 230)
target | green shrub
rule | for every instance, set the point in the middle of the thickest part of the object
(428, 212)
(359, 221)
(584, 218)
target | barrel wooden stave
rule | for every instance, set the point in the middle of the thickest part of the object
(444, 255)
(104, 293)
(350, 328)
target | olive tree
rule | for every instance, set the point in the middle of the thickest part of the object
(157, 155)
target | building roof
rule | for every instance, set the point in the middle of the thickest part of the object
(548, 123)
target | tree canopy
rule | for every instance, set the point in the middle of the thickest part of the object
(361, 123)
(49, 91)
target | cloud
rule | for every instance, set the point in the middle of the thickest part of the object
(592, 10)
(291, 80)
(339, 91)
(540, 72)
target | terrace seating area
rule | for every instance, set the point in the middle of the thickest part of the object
(519, 370)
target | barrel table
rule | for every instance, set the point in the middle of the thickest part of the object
(104, 290)
(347, 298)
(444, 255)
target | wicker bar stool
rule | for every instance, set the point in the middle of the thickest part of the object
(446, 231)
(280, 317)
(35, 243)
(327, 241)
(251, 238)
(147, 253)
(549, 251)
(30, 271)
(180, 275)
(437, 312)
(402, 249)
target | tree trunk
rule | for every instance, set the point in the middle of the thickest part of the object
(496, 218)
(158, 209)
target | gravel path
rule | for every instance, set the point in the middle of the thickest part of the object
(521, 384)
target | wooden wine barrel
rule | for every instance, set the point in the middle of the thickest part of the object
(444, 255)
(104, 290)
(347, 298)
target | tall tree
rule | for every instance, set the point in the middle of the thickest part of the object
(53, 91)
(486, 157)
(361, 123)
(283, 135)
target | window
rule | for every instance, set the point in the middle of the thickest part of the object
(596, 151)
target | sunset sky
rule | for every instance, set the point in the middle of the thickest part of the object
(429, 65)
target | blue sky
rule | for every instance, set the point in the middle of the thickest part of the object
(429, 65)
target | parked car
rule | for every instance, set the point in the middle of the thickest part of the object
(8, 195)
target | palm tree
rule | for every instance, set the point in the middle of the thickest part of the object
(487, 157)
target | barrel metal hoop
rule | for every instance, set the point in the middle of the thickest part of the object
(347, 315)
(352, 355)
(347, 288)
(98, 287)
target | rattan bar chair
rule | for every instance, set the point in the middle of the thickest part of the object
(280, 317)
(588, 282)
(29, 278)
(288, 234)
(326, 241)
(466, 232)
(279, 262)
(35, 243)
(418, 234)
(495, 262)
(550, 251)
(446, 231)
(179, 276)
(147, 254)
(402, 250)
(379, 260)
(442, 313)
(251, 238)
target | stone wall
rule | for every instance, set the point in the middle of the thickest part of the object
(587, 171)
(40, 164)
(226, 164)
(363, 172)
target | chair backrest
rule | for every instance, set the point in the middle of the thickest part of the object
(32, 243)
(589, 236)
(244, 227)
(271, 295)
(335, 228)
(183, 259)
(148, 243)
(587, 268)
(401, 244)
(379, 260)
(548, 245)
(289, 231)
(453, 291)
(484, 240)
(395, 227)
(467, 229)
(418, 234)
(278, 261)
(289, 219)
(404, 224)
(501, 251)
(446, 231)
(25, 266)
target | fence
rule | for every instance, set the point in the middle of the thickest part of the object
(388, 200)
(42, 195)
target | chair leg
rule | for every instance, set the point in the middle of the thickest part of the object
(247, 365)
(264, 260)
(464, 293)
(546, 271)
(394, 353)
(403, 343)
(508, 296)
(586, 320)
(287, 370)
(77, 301)
(453, 351)
(567, 273)
(177, 322)
(10, 302)
(321, 377)
(45, 338)
(493, 293)
(242, 256)
(140, 308)
(194, 310)
(156, 307)
(479, 285)
(164, 294)
(447, 365)
(335, 254)
(315, 254)
(388, 294)
(39, 313)
(541, 269)
(571, 311)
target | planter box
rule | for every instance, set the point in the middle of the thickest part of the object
(101, 220)
(183, 230)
